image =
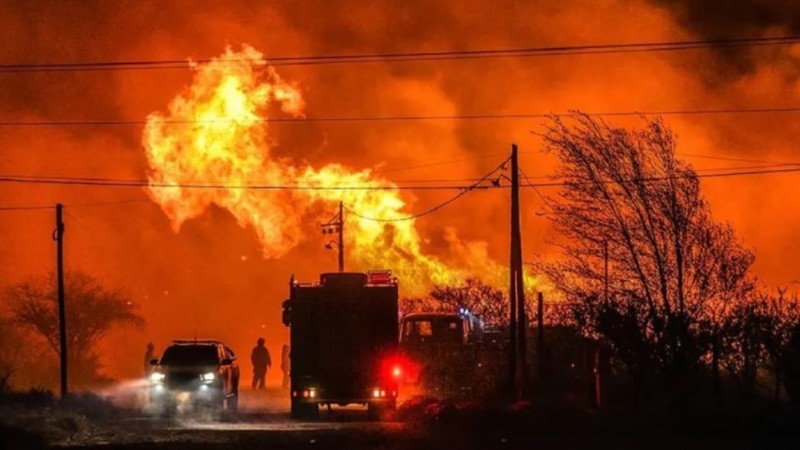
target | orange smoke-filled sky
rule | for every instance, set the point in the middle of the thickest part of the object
(210, 279)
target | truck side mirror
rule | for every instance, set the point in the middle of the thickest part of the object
(286, 318)
(153, 362)
(226, 362)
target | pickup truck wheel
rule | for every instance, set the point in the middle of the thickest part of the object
(167, 409)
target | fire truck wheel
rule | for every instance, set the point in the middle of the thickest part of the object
(381, 411)
(302, 410)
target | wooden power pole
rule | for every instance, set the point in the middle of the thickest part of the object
(516, 292)
(336, 225)
(512, 281)
(605, 271)
(58, 235)
(341, 237)
(541, 353)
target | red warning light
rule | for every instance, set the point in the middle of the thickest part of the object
(393, 370)
(380, 277)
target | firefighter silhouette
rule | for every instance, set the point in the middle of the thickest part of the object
(285, 365)
(261, 362)
(148, 356)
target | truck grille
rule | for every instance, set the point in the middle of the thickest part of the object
(181, 380)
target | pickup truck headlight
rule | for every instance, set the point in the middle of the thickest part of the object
(157, 377)
(208, 377)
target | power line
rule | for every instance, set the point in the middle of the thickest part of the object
(289, 120)
(106, 182)
(438, 163)
(726, 158)
(463, 189)
(71, 205)
(435, 208)
(542, 51)
(648, 179)
(108, 203)
(555, 177)
(759, 166)
(110, 182)
(26, 208)
(532, 186)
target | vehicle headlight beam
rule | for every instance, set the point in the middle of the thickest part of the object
(208, 377)
(157, 377)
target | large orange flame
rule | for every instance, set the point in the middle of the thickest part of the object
(214, 133)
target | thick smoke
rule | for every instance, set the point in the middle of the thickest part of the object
(724, 19)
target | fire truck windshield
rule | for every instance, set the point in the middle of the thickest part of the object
(438, 329)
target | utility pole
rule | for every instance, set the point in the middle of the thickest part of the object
(517, 369)
(598, 385)
(540, 350)
(605, 270)
(336, 225)
(341, 237)
(58, 236)
(522, 317)
(512, 324)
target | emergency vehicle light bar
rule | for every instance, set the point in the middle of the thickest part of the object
(196, 341)
(380, 277)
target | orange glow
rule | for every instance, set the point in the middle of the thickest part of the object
(209, 279)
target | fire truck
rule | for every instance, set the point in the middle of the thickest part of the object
(343, 339)
(444, 352)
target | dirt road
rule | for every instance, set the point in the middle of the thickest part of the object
(263, 422)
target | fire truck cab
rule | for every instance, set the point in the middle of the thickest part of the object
(343, 339)
(442, 350)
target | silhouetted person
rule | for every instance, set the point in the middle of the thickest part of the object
(148, 356)
(261, 362)
(285, 365)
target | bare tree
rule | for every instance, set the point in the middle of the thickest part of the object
(626, 197)
(11, 353)
(419, 304)
(791, 365)
(92, 311)
(783, 314)
(756, 334)
(742, 339)
(485, 301)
